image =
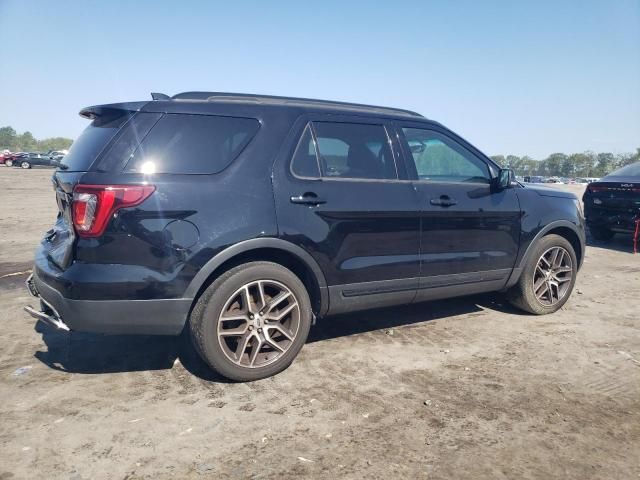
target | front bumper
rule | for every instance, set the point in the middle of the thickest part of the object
(145, 317)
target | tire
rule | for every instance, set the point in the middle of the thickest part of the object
(522, 294)
(601, 234)
(257, 358)
(9, 163)
(25, 165)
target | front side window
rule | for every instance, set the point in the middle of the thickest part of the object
(192, 144)
(354, 150)
(440, 159)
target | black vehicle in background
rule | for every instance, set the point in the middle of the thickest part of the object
(52, 158)
(612, 204)
(14, 159)
(246, 217)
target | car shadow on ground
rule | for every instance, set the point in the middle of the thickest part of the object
(87, 353)
(620, 243)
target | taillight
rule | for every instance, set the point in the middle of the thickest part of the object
(93, 205)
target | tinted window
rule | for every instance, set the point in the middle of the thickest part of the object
(126, 142)
(305, 161)
(353, 150)
(632, 170)
(192, 144)
(439, 158)
(92, 141)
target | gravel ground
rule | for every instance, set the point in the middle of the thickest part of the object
(465, 388)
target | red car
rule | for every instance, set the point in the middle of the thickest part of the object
(9, 159)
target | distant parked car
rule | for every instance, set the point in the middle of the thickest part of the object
(4, 155)
(27, 160)
(56, 154)
(612, 204)
(14, 158)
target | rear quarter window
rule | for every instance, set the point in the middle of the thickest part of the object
(192, 144)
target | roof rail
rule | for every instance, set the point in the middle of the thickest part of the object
(244, 97)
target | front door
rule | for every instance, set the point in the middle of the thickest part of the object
(470, 230)
(339, 196)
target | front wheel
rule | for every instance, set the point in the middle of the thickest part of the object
(9, 163)
(252, 321)
(548, 277)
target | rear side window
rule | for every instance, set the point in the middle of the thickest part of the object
(93, 140)
(126, 142)
(192, 144)
(354, 150)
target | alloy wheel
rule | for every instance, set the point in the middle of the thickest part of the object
(552, 276)
(258, 323)
(25, 165)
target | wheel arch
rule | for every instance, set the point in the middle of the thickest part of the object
(276, 250)
(563, 228)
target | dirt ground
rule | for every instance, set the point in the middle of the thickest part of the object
(460, 389)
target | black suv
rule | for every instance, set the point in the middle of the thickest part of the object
(245, 217)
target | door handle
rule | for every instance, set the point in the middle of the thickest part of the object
(308, 198)
(443, 201)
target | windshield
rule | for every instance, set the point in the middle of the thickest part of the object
(632, 170)
(88, 146)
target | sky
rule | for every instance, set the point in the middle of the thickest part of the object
(512, 77)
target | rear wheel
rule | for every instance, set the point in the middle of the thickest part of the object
(9, 163)
(548, 277)
(252, 321)
(25, 165)
(601, 234)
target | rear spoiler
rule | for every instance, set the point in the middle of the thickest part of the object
(113, 108)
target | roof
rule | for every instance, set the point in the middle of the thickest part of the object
(245, 98)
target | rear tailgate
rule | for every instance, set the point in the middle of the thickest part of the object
(620, 196)
(94, 142)
(58, 242)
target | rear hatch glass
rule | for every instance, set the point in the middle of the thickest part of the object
(88, 146)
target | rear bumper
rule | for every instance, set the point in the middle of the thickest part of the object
(621, 223)
(148, 317)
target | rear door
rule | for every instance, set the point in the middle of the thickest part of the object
(342, 196)
(470, 232)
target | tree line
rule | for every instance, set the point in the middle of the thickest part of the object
(575, 165)
(26, 142)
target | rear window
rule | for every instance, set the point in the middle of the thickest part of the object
(192, 144)
(632, 170)
(92, 141)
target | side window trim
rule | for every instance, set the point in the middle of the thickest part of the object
(410, 162)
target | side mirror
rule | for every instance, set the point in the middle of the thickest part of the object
(505, 179)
